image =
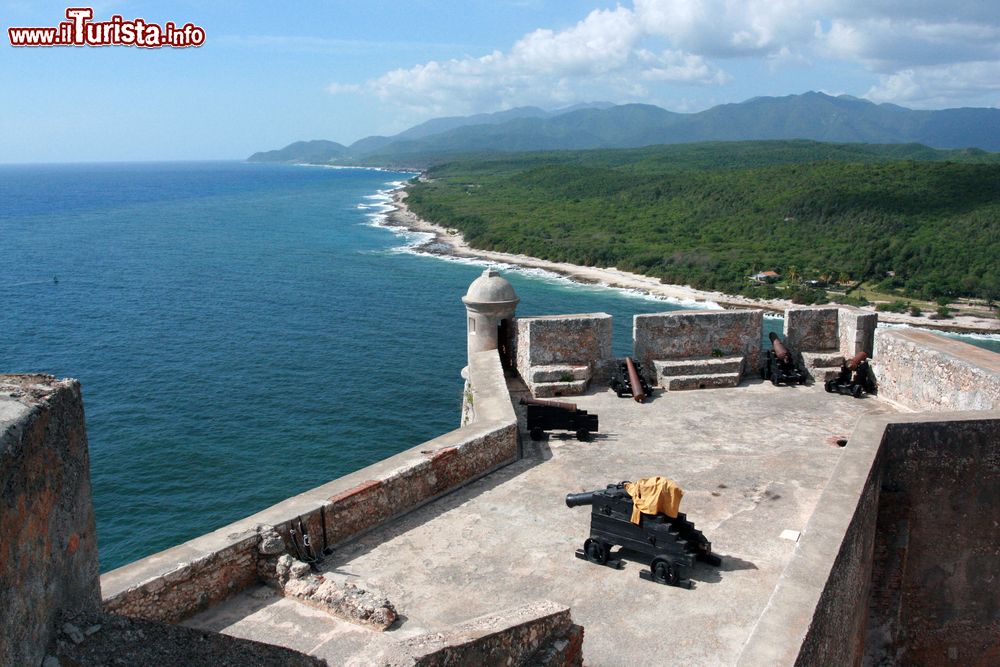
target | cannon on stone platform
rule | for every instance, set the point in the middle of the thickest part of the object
(548, 415)
(669, 544)
(627, 379)
(856, 378)
(780, 366)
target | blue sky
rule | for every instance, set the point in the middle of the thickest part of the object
(274, 72)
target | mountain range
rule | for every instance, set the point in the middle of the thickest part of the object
(812, 115)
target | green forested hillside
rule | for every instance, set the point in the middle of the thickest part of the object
(709, 215)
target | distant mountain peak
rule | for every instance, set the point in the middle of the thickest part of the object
(813, 115)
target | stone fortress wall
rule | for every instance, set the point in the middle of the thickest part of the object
(819, 613)
(48, 542)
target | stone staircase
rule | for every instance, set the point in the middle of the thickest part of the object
(558, 380)
(699, 372)
(822, 365)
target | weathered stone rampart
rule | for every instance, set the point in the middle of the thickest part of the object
(857, 332)
(181, 581)
(934, 597)
(828, 328)
(559, 355)
(48, 545)
(684, 334)
(809, 329)
(540, 633)
(900, 552)
(919, 370)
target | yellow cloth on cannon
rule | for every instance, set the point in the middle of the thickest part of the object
(653, 495)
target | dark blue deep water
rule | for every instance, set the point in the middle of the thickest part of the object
(242, 332)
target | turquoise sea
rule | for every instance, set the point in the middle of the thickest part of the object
(242, 332)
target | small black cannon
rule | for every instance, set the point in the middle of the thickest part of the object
(856, 378)
(627, 379)
(546, 415)
(670, 545)
(779, 366)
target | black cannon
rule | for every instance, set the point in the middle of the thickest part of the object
(627, 379)
(856, 378)
(779, 365)
(547, 415)
(669, 545)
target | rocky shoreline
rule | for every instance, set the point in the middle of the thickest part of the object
(450, 243)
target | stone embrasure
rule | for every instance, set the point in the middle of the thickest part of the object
(560, 373)
(713, 381)
(698, 366)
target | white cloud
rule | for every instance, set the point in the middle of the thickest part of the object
(886, 45)
(938, 86)
(599, 56)
(600, 43)
(727, 28)
(910, 47)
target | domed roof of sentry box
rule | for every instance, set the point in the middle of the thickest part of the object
(490, 288)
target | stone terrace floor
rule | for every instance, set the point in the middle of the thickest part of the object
(752, 461)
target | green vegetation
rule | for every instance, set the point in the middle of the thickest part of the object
(893, 307)
(712, 214)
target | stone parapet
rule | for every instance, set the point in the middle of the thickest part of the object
(567, 341)
(920, 370)
(812, 328)
(540, 633)
(48, 542)
(687, 334)
(847, 594)
(177, 583)
(857, 332)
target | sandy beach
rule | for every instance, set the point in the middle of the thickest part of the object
(450, 242)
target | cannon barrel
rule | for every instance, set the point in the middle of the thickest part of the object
(549, 404)
(633, 377)
(856, 360)
(780, 350)
(577, 499)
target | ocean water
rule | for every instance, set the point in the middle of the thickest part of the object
(242, 332)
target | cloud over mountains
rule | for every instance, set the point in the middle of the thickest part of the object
(915, 52)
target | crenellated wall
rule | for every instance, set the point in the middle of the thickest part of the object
(48, 544)
(857, 332)
(812, 328)
(842, 329)
(684, 334)
(559, 355)
(897, 564)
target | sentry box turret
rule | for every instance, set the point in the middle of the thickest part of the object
(670, 545)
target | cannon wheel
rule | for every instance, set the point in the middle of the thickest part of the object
(537, 433)
(596, 551)
(583, 435)
(663, 572)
